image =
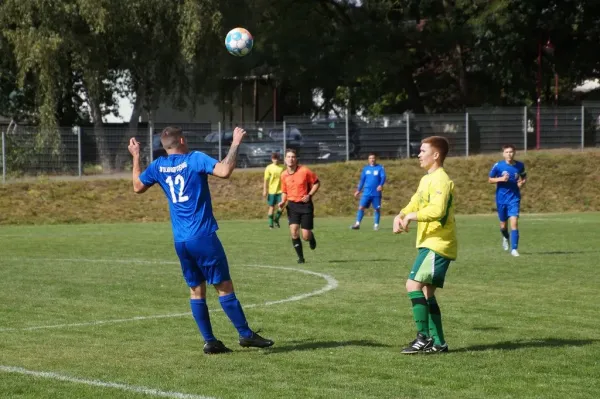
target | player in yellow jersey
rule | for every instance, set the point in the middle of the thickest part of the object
(432, 206)
(272, 188)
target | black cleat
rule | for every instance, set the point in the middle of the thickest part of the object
(355, 227)
(300, 260)
(313, 242)
(255, 341)
(277, 225)
(420, 344)
(215, 347)
(436, 349)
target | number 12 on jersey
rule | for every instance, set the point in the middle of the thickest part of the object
(172, 184)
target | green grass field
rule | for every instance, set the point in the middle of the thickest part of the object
(101, 311)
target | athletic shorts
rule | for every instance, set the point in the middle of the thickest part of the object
(506, 211)
(429, 268)
(367, 200)
(273, 199)
(301, 213)
(203, 259)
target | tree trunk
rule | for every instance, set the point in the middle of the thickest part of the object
(132, 131)
(102, 148)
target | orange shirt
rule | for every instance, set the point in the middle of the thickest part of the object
(297, 184)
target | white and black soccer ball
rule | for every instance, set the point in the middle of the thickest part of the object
(239, 42)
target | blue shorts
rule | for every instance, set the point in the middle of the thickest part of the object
(506, 211)
(367, 200)
(203, 259)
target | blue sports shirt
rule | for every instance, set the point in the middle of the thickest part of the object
(184, 180)
(370, 178)
(508, 192)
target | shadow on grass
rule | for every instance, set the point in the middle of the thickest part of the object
(525, 344)
(304, 346)
(361, 260)
(487, 328)
(558, 252)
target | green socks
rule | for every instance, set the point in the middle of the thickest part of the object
(420, 310)
(435, 322)
(277, 216)
(270, 220)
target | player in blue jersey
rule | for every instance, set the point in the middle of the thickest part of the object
(183, 176)
(372, 179)
(508, 176)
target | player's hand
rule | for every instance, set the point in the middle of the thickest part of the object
(134, 147)
(380, 188)
(306, 198)
(264, 193)
(504, 177)
(238, 135)
(397, 227)
(356, 194)
(280, 205)
(520, 183)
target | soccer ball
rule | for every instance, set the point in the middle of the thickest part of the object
(239, 42)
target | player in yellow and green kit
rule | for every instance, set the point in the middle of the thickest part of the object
(272, 188)
(432, 206)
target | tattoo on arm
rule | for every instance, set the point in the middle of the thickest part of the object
(231, 157)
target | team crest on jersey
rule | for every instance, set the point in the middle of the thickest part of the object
(368, 172)
(375, 172)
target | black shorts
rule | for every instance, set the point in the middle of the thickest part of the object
(301, 213)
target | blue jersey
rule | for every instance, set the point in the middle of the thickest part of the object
(508, 192)
(184, 179)
(370, 178)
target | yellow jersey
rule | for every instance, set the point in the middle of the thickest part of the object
(273, 178)
(434, 204)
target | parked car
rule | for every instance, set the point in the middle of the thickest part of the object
(255, 150)
(293, 137)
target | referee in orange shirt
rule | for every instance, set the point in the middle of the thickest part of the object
(298, 185)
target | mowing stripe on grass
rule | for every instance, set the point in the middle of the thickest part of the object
(332, 284)
(102, 384)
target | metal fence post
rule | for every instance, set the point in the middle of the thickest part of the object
(466, 134)
(407, 116)
(525, 129)
(284, 138)
(219, 130)
(3, 159)
(79, 163)
(582, 127)
(150, 131)
(347, 135)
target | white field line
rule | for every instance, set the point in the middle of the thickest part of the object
(101, 384)
(332, 284)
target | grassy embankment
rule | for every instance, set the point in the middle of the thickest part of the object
(559, 181)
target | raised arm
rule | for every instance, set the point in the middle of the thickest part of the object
(225, 168)
(134, 150)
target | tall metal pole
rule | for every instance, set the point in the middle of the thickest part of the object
(3, 159)
(539, 99)
(79, 150)
(347, 134)
(467, 134)
(407, 116)
(219, 133)
(284, 138)
(150, 132)
(582, 127)
(525, 129)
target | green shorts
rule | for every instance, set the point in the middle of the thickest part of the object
(273, 199)
(429, 268)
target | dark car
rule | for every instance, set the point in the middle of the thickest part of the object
(293, 137)
(255, 150)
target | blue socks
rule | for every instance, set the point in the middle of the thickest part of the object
(514, 239)
(359, 215)
(202, 317)
(233, 309)
(376, 216)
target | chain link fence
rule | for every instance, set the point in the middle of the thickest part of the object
(78, 151)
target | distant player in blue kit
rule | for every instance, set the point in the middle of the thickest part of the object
(509, 176)
(183, 176)
(372, 179)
